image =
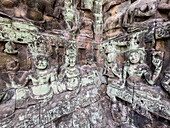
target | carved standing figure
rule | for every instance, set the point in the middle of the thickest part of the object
(113, 70)
(136, 69)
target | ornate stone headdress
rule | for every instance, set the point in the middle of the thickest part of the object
(38, 47)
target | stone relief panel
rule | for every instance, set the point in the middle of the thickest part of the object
(44, 80)
(135, 57)
(84, 64)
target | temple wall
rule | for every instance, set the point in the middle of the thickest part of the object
(84, 63)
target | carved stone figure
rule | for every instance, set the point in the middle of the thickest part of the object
(136, 69)
(166, 80)
(113, 70)
(41, 80)
(69, 15)
(41, 88)
(71, 74)
(7, 104)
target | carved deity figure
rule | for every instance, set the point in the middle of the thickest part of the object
(19, 95)
(41, 79)
(71, 74)
(113, 69)
(136, 69)
(7, 101)
(166, 80)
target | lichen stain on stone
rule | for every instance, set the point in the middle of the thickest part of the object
(84, 64)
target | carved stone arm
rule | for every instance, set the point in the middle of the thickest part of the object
(124, 76)
(148, 76)
(53, 76)
(19, 82)
(62, 75)
(151, 78)
(115, 71)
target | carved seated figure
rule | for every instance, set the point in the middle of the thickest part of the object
(166, 80)
(41, 79)
(136, 69)
(19, 96)
(41, 82)
(70, 76)
(7, 101)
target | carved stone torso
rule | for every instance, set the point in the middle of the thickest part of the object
(40, 83)
(72, 75)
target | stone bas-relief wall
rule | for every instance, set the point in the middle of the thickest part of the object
(84, 63)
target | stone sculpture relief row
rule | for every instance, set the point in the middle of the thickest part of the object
(88, 63)
(45, 80)
(134, 57)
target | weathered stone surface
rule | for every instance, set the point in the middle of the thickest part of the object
(84, 63)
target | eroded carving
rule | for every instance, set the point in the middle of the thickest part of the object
(10, 48)
(136, 68)
(140, 11)
(164, 9)
(166, 80)
(67, 82)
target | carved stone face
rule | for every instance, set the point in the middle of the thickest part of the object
(72, 61)
(134, 57)
(41, 62)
